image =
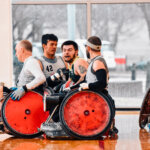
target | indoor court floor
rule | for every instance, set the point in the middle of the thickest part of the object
(130, 137)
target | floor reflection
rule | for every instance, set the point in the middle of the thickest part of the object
(49, 144)
(129, 137)
(144, 136)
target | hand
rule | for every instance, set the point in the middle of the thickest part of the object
(60, 72)
(84, 86)
(67, 89)
(17, 94)
(13, 88)
(64, 73)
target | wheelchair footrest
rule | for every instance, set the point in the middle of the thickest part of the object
(56, 134)
(53, 129)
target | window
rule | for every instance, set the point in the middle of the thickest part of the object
(123, 27)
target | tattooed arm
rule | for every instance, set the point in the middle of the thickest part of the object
(81, 66)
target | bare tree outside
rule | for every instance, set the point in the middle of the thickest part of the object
(111, 21)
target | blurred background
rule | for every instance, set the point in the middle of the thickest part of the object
(123, 28)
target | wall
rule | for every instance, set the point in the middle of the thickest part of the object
(5, 43)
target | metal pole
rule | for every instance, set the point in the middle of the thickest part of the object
(71, 21)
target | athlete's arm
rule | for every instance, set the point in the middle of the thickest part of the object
(34, 67)
(101, 82)
(98, 65)
(101, 75)
(81, 66)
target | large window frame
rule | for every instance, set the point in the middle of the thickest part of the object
(87, 2)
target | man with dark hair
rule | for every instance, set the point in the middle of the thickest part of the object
(77, 66)
(50, 62)
(77, 71)
(97, 74)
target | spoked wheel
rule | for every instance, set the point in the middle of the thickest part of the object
(86, 114)
(23, 118)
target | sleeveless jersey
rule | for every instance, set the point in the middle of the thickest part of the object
(25, 76)
(90, 76)
(72, 74)
(50, 66)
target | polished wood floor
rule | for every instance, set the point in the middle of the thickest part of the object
(130, 137)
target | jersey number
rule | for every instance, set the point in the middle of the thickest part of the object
(49, 68)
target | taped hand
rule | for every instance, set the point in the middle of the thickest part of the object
(13, 88)
(17, 94)
(66, 89)
(84, 86)
(64, 73)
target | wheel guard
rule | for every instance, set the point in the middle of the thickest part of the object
(25, 116)
(86, 113)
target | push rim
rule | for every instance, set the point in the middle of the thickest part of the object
(23, 118)
(85, 114)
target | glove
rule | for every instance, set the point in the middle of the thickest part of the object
(66, 89)
(13, 88)
(84, 86)
(56, 76)
(63, 73)
(18, 93)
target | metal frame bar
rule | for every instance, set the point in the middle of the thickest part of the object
(87, 2)
(78, 2)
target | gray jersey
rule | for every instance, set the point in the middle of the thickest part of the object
(25, 76)
(50, 66)
(90, 76)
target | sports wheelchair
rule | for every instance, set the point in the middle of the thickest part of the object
(83, 114)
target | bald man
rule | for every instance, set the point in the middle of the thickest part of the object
(31, 75)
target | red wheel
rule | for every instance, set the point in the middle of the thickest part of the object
(86, 114)
(145, 111)
(24, 117)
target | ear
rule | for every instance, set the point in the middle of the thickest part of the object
(43, 45)
(22, 49)
(89, 48)
(76, 52)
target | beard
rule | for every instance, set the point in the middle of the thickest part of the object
(88, 54)
(71, 59)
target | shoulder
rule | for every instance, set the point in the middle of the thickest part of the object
(81, 61)
(59, 58)
(98, 64)
(33, 62)
(39, 58)
(63, 61)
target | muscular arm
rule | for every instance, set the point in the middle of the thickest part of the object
(101, 82)
(81, 66)
(34, 68)
(98, 65)
(101, 75)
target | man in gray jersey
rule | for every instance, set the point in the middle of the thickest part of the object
(97, 74)
(50, 62)
(31, 75)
